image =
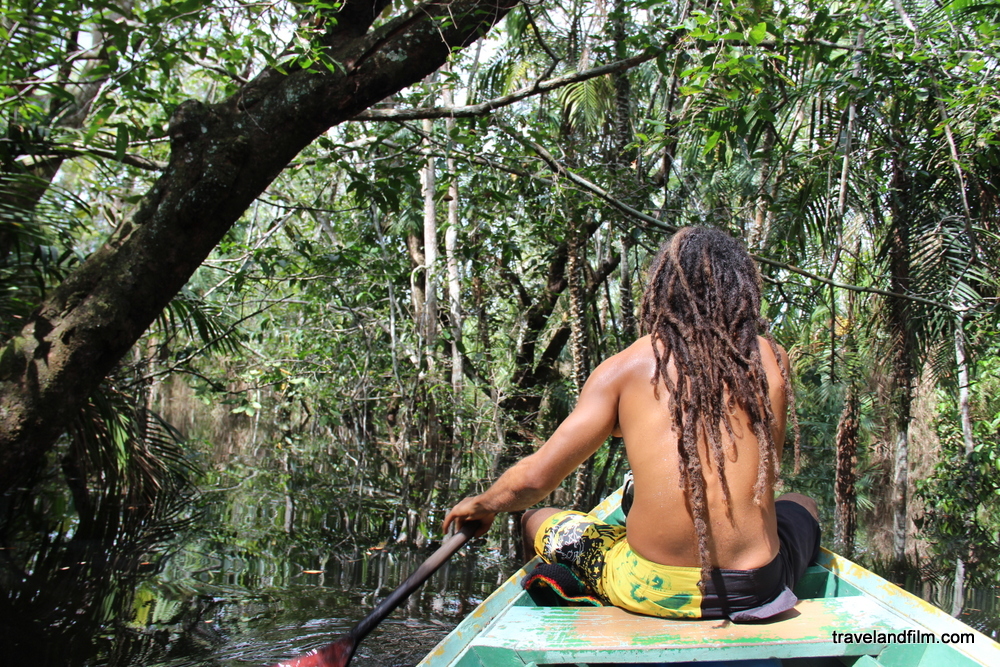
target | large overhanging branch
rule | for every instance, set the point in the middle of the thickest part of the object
(650, 221)
(222, 157)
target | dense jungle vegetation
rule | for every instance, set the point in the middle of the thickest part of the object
(355, 244)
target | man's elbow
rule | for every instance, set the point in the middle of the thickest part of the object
(538, 482)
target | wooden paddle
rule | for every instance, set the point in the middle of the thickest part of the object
(340, 652)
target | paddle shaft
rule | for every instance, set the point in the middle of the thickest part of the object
(451, 544)
(340, 652)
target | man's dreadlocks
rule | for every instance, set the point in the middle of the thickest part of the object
(702, 309)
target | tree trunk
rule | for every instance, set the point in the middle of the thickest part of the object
(901, 331)
(428, 179)
(531, 369)
(577, 305)
(222, 157)
(759, 232)
(454, 302)
(845, 509)
(451, 261)
(962, 362)
(578, 338)
(629, 326)
(622, 162)
(415, 247)
(430, 455)
(958, 592)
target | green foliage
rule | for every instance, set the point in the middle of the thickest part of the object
(962, 498)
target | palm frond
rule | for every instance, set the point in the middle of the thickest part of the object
(588, 104)
(125, 460)
(202, 322)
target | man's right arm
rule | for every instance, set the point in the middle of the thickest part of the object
(534, 477)
(517, 489)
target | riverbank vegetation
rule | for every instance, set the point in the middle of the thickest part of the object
(312, 242)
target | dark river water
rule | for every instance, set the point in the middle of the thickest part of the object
(242, 609)
(265, 574)
(257, 573)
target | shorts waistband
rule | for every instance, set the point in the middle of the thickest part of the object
(737, 594)
(765, 576)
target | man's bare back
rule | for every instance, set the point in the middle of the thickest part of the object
(744, 535)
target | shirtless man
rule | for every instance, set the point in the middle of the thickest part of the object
(701, 403)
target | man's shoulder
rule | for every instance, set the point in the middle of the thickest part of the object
(635, 358)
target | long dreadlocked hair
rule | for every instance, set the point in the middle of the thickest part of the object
(702, 309)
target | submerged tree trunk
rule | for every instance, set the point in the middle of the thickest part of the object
(222, 157)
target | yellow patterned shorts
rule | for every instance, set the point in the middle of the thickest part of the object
(599, 554)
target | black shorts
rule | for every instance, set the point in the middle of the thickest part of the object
(755, 595)
(799, 535)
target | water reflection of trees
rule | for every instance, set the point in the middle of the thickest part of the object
(276, 553)
(85, 529)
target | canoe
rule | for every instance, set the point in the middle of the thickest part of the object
(846, 615)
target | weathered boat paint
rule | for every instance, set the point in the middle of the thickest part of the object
(982, 650)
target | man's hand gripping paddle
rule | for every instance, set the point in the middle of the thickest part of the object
(340, 652)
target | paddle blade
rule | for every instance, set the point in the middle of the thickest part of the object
(337, 654)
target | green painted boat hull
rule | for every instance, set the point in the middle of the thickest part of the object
(846, 615)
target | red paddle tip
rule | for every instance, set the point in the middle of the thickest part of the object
(337, 654)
